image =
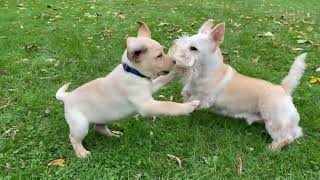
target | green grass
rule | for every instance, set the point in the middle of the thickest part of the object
(33, 131)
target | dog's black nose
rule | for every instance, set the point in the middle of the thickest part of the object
(174, 61)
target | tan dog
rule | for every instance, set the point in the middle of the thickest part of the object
(218, 86)
(126, 90)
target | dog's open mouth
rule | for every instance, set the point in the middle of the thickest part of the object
(161, 73)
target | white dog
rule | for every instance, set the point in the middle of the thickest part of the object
(218, 86)
(126, 90)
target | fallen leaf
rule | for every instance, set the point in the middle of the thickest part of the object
(177, 159)
(267, 34)
(57, 162)
(121, 16)
(50, 60)
(256, 60)
(314, 80)
(239, 167)
(163, 23)
(89, 15)
(32, 47)
(301, 41)
(297, 49)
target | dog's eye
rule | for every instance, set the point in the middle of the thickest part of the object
(192, 48)
(159, 56)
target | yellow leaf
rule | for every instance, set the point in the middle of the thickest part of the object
(177, 159)
(313, 80)
(57, 162)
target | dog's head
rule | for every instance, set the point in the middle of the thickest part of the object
(146, 54)
(188, 50)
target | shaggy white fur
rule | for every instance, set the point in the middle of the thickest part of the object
(219, 87)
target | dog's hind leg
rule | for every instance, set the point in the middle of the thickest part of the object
(79, 126)
(283, 126)
(104, 130)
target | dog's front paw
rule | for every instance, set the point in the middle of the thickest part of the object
(191, 106)
(83, 153)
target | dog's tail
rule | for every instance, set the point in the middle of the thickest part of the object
(61, 93)
(292, 80)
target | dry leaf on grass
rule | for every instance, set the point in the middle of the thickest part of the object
(119, 15)
(177, 159)
(302, 41)
(297, 49)
(163, 23)
(57, 162)
(267, 34)
(256, 60)
(89, 15)
(239, 167)
(314, 80)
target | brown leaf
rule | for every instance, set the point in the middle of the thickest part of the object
(256, 60)
(177, 159)
(57, 162)
(239, 167)
(297, 49)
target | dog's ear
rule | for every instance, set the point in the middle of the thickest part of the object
(217, 34)
(206, 26)
(143, 30)
(135, 48)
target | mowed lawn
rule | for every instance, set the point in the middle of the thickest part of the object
(44, 44)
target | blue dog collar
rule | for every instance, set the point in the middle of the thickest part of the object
(132, 70)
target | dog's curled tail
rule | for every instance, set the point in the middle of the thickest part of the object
(292, 80)
(61, 93)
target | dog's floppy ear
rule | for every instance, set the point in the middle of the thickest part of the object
(217, 34)
(206, 26)
(135, 48)
(143, 30)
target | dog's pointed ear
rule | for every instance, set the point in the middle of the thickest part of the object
(143, 30)
(135, 48)
(206, 26)
(217, 34)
